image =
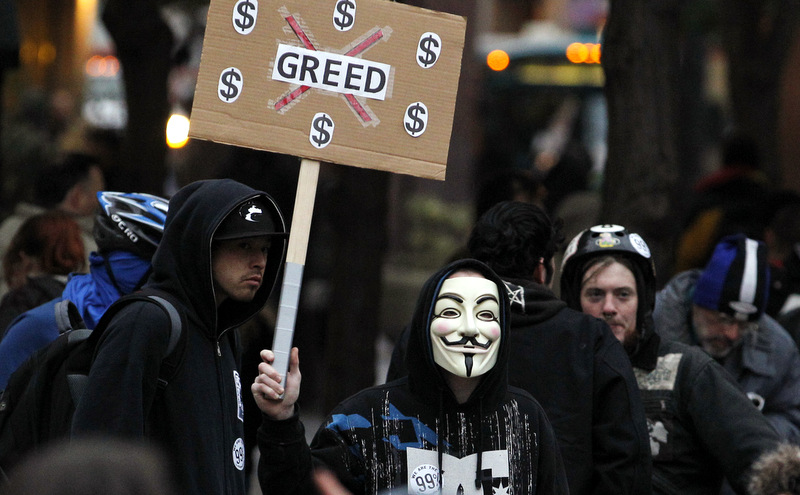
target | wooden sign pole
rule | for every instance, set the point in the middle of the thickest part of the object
(295, 262)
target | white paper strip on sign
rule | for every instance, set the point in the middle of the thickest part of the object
(331, 71)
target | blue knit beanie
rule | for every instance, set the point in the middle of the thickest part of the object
(736, 279)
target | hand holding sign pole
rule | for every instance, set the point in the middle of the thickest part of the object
(367, 83)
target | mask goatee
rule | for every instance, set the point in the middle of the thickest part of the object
(468, 363)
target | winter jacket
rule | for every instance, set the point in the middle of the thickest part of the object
(91, 293)
(702, 427)
(766, 365)
(398, 437)
(578, 371)
(198, 416)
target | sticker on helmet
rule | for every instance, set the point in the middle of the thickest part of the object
(571, 248)
(639, 245)
(608, 227)
(606, 240)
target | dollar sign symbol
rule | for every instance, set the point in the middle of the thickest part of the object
(342, 18)
(425, 45)
(231, 90)
(320, 137)
(416, 118)
(245, 21)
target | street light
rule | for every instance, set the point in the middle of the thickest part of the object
(177, 131)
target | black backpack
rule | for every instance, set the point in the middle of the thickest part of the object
(39, 401)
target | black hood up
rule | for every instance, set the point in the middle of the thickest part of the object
(425, 377)
(182, 262)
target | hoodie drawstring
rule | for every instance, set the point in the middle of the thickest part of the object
(439, 442)
(478, 473)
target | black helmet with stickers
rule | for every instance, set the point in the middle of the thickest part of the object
(131, 222)
(616, 241)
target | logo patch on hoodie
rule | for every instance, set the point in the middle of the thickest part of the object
(458, 475)
(238, 454)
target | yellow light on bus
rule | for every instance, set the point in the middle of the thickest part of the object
(594, 53)
(177, 131)
(497, 60)
(584, 53)
(577, 53)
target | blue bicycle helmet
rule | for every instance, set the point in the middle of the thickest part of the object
(131, 222)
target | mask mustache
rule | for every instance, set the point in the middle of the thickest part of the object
(466, 340)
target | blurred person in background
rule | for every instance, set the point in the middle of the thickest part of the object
(43, 252)
(782, 237)
(97, 466)
(69, 185)
(128, 229)
(732, 199)
(721, 310)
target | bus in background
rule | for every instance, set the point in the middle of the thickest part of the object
(543, 99)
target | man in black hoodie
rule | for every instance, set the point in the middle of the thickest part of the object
(570, 362)
(223, 246)
(452, 425)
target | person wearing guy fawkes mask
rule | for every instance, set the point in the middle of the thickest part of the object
(722, 310)
(452, 425)
(703, 428)
(569, 361)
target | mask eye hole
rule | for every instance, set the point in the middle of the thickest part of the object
(449, 313)
(486, 316)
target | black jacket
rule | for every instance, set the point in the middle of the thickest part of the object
(407, 431)
(702, 426)
(198, 418)
(578, 371)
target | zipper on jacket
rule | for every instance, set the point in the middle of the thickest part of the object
(219, 351)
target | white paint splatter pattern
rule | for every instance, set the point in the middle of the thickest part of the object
(376, 449)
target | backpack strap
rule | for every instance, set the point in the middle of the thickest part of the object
(68, 317)
(172, 360)
(173, 357)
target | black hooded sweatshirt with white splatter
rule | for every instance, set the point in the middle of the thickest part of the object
(401, 436)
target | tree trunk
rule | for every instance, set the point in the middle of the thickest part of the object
(144, 44)
(359, 241)
(758, 37)
(641, 63)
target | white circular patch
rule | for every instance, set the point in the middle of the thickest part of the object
(424, 479)
(238, 454)
(639, 245)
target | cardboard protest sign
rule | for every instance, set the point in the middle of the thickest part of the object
(368, 83)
